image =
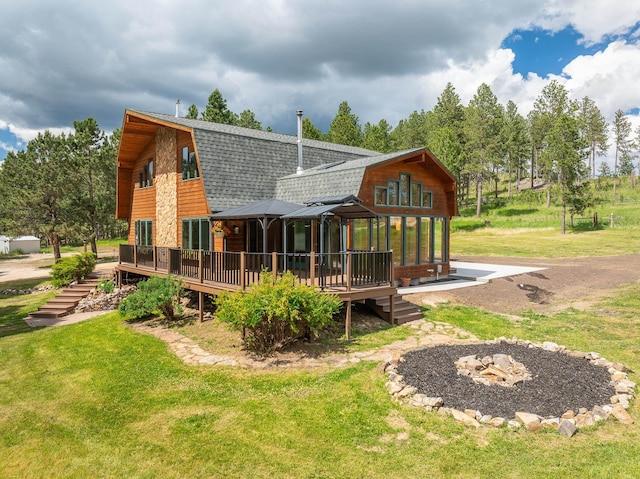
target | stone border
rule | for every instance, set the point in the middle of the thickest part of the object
(567, 424)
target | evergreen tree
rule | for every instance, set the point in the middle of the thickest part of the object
(37, 189)
(376, 137)
(483, 127)
(445, 133)
(411, 132)
(563, 155)
(309, 130)
(217, 110)
(593, 130)
(247, 119)
(516, 142)
(345, 128)
(622, 140)
(192, 113)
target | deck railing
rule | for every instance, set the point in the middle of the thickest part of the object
(346, 270)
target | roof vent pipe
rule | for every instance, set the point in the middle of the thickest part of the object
(178, 108)
(300, 169)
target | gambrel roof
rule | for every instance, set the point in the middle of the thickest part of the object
(240, 165)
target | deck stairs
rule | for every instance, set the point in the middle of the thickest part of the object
(66, 301)
(404, 311)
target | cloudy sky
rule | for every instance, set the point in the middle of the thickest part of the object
(67, 60)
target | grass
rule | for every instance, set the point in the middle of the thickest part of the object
(14, 308)
(97, 399)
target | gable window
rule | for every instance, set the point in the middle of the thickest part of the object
(189, 164)
(195, 233)
(143, 230)
(145, 177)
(403, 192)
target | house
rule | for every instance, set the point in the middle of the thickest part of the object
(216, 202)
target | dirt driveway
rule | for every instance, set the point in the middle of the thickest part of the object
(37, 265)
(576, 282)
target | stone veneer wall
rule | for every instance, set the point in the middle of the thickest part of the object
(166, 182)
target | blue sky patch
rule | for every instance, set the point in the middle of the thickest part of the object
(7, 138)
(545, 52)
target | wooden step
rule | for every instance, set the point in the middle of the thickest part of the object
(65, 302)
(403, 311)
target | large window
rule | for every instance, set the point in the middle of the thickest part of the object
(143, 232)
(361, 234)
(403, 192)
(189, 164)
(413, 239)
(195, 233)
(145, 177)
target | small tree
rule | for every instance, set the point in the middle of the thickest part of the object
(154, 296)
(276, 312)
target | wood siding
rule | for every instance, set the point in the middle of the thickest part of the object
(192, 201)
(143, 205)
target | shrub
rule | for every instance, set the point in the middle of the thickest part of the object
(154, 296)
(106, 286)
(276, 312)
(72, 268)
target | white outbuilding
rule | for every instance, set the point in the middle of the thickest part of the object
(4, 244)
(26, 244)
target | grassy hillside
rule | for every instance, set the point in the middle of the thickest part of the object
(524, 226)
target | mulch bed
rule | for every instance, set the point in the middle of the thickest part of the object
(559, 382)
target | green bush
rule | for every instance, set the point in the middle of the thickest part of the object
(154, 296)
(106, 286)
(276, 312)
(72, 268)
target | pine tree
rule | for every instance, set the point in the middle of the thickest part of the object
(345, 128)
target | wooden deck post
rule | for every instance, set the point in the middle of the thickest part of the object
(155, 258)
(274, 262)
(243, 261)
(349, 265)
(200, 306)
(312, 268)
(392, 312)
(200, 266)
(135, 255)
(347, 323)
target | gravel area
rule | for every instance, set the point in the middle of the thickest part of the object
(559, 382)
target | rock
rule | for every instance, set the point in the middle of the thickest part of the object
(497, 422)
(485, 419)
(599, 413)
(405, 392)
(394, 387)
(569, 414)
(585, 420)
(550, 346)
(433, 402)
(530, 421)
(621, 414)
(464, 418)
(593, 355)
(513, 424)
(567, 427)
(470, 413)
(551, 423)
(618, 375)
(577, 354)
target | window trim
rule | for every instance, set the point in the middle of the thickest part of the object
(204, 231)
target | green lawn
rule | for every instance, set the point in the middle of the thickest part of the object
(96, 399)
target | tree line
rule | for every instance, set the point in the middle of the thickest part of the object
(62, 187)
(557, 143)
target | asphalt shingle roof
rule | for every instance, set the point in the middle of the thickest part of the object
(241, 165)
(340, 179)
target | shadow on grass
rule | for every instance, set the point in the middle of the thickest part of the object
(586, 227)
(517, 212)
(12, 321)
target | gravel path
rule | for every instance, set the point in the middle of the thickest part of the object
(559, 382)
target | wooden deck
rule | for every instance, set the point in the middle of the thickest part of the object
(352, 275)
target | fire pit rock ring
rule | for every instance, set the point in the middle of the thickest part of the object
(514, 383)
